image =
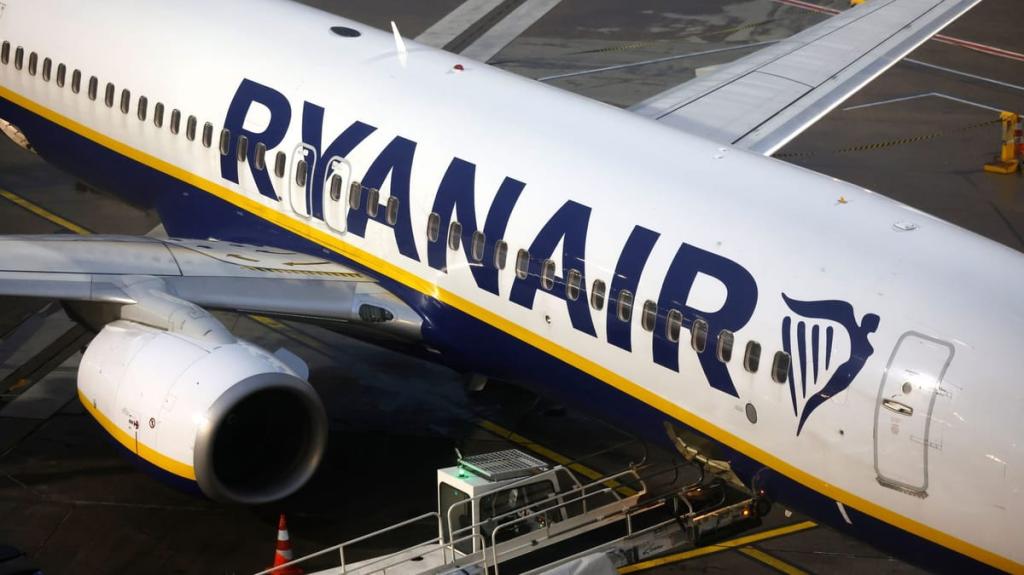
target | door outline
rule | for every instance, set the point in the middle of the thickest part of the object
(917, 490)
(339, 208)
(302, 152)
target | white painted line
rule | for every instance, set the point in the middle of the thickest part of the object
(41, 335)
(654, 61)
(456, 22)
(508, 29)
(965, 74)
(919, 96)
(48, 395)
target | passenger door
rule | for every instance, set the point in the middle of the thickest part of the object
(903, 411)
(336, 182)
(300, 186)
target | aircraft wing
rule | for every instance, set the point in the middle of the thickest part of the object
(210, 274)
(762, 101)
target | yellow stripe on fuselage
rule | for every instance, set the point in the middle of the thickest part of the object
(144, 451)
(553, 349)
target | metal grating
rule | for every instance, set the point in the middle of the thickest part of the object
(502, 465)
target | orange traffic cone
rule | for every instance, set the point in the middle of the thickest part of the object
(283, 552)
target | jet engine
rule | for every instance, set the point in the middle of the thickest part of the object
(203, 406)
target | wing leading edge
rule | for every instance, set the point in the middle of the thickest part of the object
(762, 101)
(209, 274)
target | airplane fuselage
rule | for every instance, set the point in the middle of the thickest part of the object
(852, 356)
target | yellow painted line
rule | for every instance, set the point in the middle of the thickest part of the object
(552, 455)
(132, 444)
(43, 213)
(590, 367)
(771, 561)
(718, 547)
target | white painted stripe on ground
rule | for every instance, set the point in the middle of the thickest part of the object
(964, 74)
(456, 22)
(48, 395)
(42, 334)
(510, 28)
(928, 95)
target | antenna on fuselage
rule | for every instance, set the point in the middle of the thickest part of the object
(403, 54)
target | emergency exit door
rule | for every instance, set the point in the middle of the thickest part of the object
(903, 411)
(300, 188)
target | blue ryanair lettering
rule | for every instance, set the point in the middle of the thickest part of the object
(312, 135)
(456, 194)
(250, 93)
(627, 277)
(394, 161)
(740, 301)
(569, 227)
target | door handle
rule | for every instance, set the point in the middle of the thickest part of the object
(897, 407)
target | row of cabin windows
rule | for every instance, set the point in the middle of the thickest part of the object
(110, 98)
(699, 329)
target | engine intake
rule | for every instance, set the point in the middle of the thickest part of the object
(231, 416)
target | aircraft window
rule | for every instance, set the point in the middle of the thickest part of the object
(649, 316)
(780, 367)
(62, 74)
(279, 164)
(522, 264)
(126, 101)
(752, 356)
(143, 108)
(573, 281)
(158, 115)
(190, 128)
(260, 157)
(19, 58)
(94, 87)
(108, 95)
(207, 135)
(699, 335)
(33, 62)
(391, 215)
(225, 142)
(355, 195)
(175, 121)
(673, 324)
(597, 295)
(547, 274)
(300, 170)
(454, 235)
(372, 202)
(723, 349)
(433, 226)
(500, 254)
(336, 187)
(76, 81)
(47, 68)
(476, 246)
(624, 305)
(5, 53)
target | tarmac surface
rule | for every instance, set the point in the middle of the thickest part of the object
(74, 505)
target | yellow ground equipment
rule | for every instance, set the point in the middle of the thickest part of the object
(855, 2)
(1012, 145)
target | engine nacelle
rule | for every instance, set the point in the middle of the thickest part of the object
(230, 416)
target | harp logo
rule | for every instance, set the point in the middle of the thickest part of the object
(830, 348)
